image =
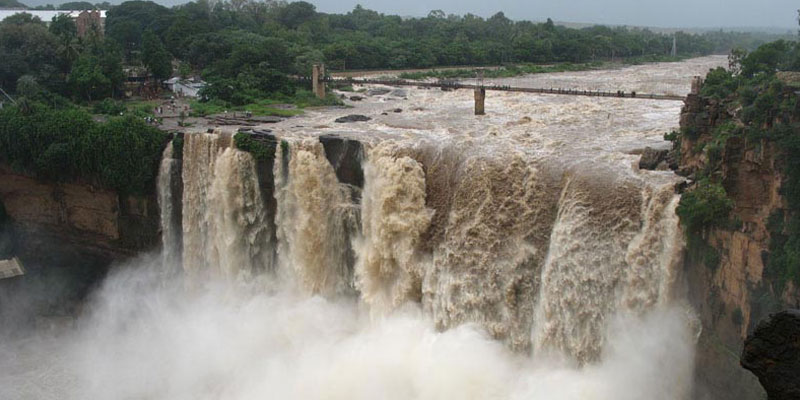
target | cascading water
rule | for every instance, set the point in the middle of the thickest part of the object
(169, 201)
(313, 216)
(614, 248)
(522, 258)
(225, 227)
(389, 268)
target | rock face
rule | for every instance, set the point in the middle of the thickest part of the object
(653, 159)
(772, 353)
(345, 156)
(352, 118)
(77, 220)
(731, 297)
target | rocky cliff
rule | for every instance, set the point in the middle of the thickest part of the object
(734, 290)
(66, 235)
(89, 220)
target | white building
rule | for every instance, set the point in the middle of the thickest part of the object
(185, 87)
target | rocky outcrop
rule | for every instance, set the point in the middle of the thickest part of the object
(772, 353)
(736, 293)
(653, 159)
(345, 155)
(352, 118)
(57, 221)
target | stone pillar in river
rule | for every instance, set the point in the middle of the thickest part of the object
(480, 97)
(317, 74)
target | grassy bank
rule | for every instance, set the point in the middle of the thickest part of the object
(266, 107)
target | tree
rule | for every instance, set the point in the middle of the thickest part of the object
(63, 26)
(127, 22)
(87, 79)
(76, 5)
(22, 19)
(28, 48)
(155, 56)
(294, 14)
(11, 4)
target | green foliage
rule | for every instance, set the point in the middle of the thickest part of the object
(76, 5)
(177, 147)
(699, 250)
(28, 48)
(63, 26)
(719, 84)
(88, 80)
(265, 106)
(127, 22)
(108, 107)
(771, 57)
(285, 147)
(704, 207)
(768, 113)
(64, 145)
(11, 4)
(784, 258)
(155, 56)
(261, 151)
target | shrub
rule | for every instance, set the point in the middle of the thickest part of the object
(719, 84)
(704, 207)
(108, 107)
(177, 147)
(261, 151)
(66, 145)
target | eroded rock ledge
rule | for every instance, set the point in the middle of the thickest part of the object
(772, 353)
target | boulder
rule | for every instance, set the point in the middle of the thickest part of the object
(352, 118)
(399, 93)
(378, 92)
(652, 158)
(772, 353)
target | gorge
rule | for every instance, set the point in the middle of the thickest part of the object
(426, 253)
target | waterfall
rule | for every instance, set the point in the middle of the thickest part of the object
(485, 268)
(614, 248)
(314, 219)
(169, 200)
(538, 256)
(225, 226)
(394, 217)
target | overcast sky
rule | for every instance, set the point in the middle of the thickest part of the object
(662, 13)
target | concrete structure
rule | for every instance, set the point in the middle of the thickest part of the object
(10, 268)
(480, 98)
(89, 21)
(85, 20)
(185, 87)
(317, 75)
